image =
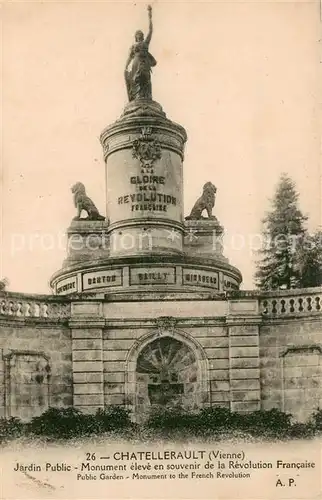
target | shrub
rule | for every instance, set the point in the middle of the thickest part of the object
(169, 419)
(219, 420)
(271, 421)
(70, 422)
(174, 423)
(301, 431)
(63, 423)
(216, 418)
(316, 419)
(10, 428)
(113, 418)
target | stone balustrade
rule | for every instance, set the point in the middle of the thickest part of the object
(291, 302)
(277, 303)
(33, 306)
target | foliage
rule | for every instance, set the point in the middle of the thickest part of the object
(113, 418)
(70, 422)
(216, 420)
(3, 284)
(261, 422)
(214, 423)
(316, 419)
(169, 419)
(283, 227)
(309, 260)
(10, 428)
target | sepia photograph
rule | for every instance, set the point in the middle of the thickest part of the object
(161, 250)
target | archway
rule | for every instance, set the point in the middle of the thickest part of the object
(166, 370)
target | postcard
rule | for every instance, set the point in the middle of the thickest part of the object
(161, 257)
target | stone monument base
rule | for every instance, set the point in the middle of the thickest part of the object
(203, 238)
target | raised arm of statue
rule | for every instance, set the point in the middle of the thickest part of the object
(149, 35)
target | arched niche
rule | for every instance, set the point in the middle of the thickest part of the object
(166, 368)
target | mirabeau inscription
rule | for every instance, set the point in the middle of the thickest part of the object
(200, 278)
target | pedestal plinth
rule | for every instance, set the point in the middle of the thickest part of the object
(143, 151)
(87, 241)
(203, 237)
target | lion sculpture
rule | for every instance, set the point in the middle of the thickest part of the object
(83, 202)
(205, 202)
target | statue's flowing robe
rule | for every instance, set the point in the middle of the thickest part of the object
(138, 79)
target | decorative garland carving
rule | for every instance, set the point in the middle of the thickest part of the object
(166, 323)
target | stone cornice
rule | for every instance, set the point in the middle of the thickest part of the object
(243, 320)
(136, 119)
(86, 322)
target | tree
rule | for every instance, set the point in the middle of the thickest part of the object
(283, 229)
(309, 260)
(3, 284)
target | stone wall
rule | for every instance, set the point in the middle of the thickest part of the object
(291, 365)
(247, 352)
(35, 355)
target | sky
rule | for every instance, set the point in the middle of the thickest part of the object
(243, 78)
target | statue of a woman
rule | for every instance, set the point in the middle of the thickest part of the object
(138, 78)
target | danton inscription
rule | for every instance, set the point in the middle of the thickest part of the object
(112, 277)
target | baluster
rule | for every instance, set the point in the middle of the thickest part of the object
(36, 310)
(309, 303)
(271, 306)
(264, 307)
(317, 303)
(283, 310)
(3, 307)
(41, 310)
(51, 310)
(44, 312)
(14, 308)
(292, 303)
(300, 302)
(287, 306)
(19, 309)
(274, 304)
(10, 308)
(31, 309)
(27, 309)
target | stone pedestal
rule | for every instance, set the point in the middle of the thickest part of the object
(146, 247)
(204, 238)
(143, 151)
(86, 241)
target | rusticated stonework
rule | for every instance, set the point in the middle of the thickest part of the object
(248, 352)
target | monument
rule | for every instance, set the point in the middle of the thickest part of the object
(145, 245)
